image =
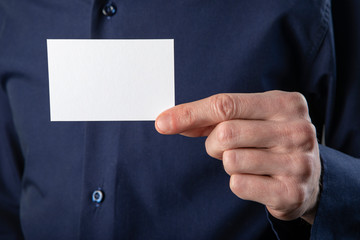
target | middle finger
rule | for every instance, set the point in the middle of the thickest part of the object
(249, 134)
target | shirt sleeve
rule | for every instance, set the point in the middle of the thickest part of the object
(338, 214)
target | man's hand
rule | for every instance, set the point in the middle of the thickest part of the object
(266, 141)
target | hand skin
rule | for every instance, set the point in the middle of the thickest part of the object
(267, 144)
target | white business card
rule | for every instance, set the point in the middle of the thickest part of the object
(110, 80)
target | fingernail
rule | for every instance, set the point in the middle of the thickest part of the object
(163, 123)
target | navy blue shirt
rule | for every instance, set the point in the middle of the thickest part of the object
(166, 187)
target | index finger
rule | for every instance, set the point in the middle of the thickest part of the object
(221, 107)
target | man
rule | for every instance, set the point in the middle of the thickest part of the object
(123, 180)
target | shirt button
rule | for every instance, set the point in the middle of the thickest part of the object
(109, 9)
(98, 196)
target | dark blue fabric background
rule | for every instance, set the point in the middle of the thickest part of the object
(166, 187)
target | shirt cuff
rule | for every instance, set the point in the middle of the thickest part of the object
(338, 213)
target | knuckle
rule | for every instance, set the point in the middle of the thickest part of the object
(224, 134)
(223, 106)
(234, 184)
(229, 162)
(306, 133)
(301, 134)
(303, 167)
(239, 187)
(303, 128)
(294, 104)
(296, 97)
(298, 103)
(291, 197)
(291, 104)
(209, 148)
(297, 197)
(288, 204)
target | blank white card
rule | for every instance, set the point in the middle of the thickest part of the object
(110, 80)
